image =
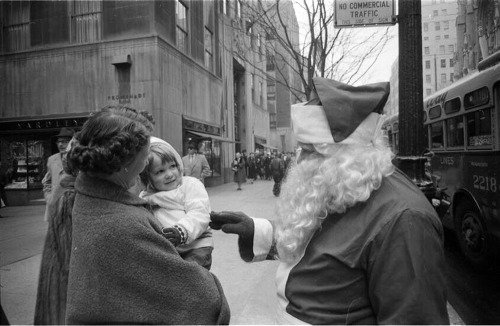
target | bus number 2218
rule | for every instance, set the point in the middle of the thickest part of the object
(485, 183)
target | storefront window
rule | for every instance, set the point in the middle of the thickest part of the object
(211, 149)
(25, 162)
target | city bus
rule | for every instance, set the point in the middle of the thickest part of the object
(463, 133)
(391, 127)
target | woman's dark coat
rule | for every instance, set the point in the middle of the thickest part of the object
(124, 271)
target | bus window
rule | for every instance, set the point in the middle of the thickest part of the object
(478, 97)
(437, 135)
(479, 128)
(455, 131)
(434, 112)
(452, 106)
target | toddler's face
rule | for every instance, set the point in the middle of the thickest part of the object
(164, 176)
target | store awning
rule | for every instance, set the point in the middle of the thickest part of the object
(219, 138)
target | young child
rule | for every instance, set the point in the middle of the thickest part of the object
(180, 203)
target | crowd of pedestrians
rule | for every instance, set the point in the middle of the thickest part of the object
(129, 238)
(261, 166)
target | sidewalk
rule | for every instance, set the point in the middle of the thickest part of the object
(249, 288)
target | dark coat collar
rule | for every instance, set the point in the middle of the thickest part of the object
(104, 189)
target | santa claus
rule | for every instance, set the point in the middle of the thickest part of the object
(358, 242)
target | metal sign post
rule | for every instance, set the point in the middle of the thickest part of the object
(359, 13)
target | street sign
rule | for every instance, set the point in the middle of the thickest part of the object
(359, 13)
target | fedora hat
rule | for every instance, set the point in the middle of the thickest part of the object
(65, 132)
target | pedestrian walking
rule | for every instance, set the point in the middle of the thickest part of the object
(3, 183)
(277, 167)
(54, 165)
(180, 203)
(252, 167)
(123, 270)
(196, 165)
(358, 242)
(267, 162)
(50, 306)
(245, 159)
(238, 167)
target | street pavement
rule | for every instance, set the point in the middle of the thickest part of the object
(249, 288)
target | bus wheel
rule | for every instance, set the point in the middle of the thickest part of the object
(472, 235)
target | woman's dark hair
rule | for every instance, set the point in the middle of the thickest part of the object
(110, 139)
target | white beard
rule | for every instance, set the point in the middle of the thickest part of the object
(321, 185)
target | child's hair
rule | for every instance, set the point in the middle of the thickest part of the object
(167, 154)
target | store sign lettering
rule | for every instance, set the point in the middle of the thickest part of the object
(125, 98)
(42, 124)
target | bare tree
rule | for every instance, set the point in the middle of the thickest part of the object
(344, 54)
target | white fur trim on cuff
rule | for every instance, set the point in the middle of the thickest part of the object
(262, 238)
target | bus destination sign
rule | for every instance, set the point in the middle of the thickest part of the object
(359, 13)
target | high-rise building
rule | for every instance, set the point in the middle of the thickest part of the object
(439, 43)
(478, 33)
(283, 85)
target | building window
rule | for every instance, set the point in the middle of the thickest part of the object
(426, 38)
(438, 37)
(435, 13)
(86, 21)
(261, 94)
(446, 25)
(209, 50)
(426, 27)
(182, 26)
(26, 163)
(252, 76)
(451, 48)
(441, 49)
(237, 9)
(443, 63)
(428, 91)
(269, 61)
(428, 79)
(427, 64)
(446, 36)
(427, 50)
(16, 25)
(437, 26)
(443, 78)
(444, 12)
(451, 63)
(451, 77)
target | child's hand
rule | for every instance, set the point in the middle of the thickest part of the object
(173, 235)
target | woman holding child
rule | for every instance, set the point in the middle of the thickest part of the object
(123, 269)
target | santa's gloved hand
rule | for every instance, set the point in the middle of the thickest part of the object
(174, 234)
(233, 222)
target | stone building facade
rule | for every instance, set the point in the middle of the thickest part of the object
(62, 60)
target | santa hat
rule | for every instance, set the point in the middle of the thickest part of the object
(338, 111)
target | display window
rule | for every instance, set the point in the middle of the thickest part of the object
(24, 162)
